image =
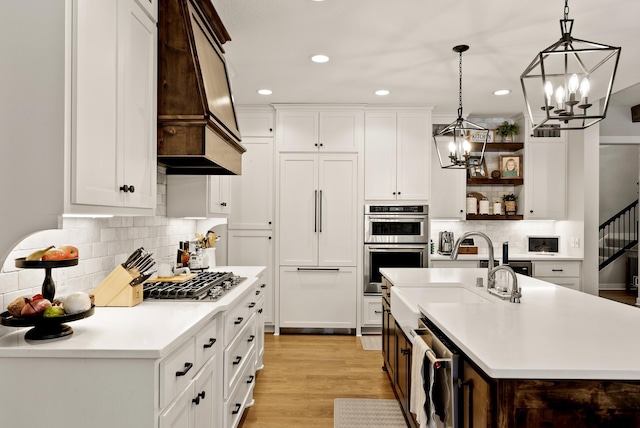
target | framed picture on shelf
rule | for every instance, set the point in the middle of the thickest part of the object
(477, 169)
(478, 136)
(511, 166)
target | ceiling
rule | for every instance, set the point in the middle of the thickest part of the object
(405, 46)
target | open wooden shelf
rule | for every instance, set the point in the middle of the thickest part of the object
(494, 217)
(475, 181)
(498, 147)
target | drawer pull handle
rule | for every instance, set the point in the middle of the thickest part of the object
(198, 397)
(263, 285)
(237, 409)
(378, 312)
(404, 351)
(187, 367)
(250, 339)
(384, 287)
(238, 321)
(237, 360)
(251, 379)
(210, 344)
(557, 270)
(257, 292)
(252, 305)
(260, 310)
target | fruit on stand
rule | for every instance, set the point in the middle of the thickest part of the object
(77, 302)
(34, 307)
(53, 254)
(70, 252)
(53, 311)
(37, 255)
(15, 308)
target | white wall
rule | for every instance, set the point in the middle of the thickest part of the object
(618, 178)
(102, 244)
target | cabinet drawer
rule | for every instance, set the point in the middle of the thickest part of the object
(573, 283)
(236, 403)
(176, 371)
(236, 356)
(237, 318)
(560, 268)
(372, 310)
(207, 343)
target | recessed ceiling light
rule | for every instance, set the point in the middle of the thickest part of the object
(381, 92)
(502, 92)
(319, 58)
(265, 91)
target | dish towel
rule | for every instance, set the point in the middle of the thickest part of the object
(422, 376)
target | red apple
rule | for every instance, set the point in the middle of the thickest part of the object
(53, 254)
(70, 252)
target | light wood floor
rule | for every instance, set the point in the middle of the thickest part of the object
(622, 296)
(303, 374)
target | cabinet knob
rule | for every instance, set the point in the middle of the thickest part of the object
(198, 397)
(126, 189)
(316, 144)
(399, 193)
(320, 144)
(224, 204)
(531, 211)
(461, 211)
(394, 193)
(270, 129)
(269, 237)
(269, 222)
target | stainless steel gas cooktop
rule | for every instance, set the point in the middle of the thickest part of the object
(209, 286)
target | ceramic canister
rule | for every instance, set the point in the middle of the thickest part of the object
(472, 205)
(484, 206)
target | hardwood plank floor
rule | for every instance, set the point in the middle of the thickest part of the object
(622, 296)
(304, 373)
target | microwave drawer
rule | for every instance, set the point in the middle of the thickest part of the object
(556, 268)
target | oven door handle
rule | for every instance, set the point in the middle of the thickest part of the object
(398, 249)
(396, 219)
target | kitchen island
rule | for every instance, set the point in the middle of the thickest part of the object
(559, 358)
(158, 364)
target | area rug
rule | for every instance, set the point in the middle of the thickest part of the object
(367, 413)
(371, 343)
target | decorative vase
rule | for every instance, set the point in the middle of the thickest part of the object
(510, 207)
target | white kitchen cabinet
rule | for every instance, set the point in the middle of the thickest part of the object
(198, 195)
(308, 129)
(252, 192)
(371, 311)
(397, 155)
(197, 405)
(545, 180)
(566, 273)
(318, 210)
(113, 108)
(317, 297)
(255, 122)
(448, 190)
(255, 248)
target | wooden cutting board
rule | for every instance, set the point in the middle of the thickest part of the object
(175, 278)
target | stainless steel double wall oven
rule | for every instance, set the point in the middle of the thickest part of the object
(394, 236)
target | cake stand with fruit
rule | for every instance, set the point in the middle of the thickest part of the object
(45, 327)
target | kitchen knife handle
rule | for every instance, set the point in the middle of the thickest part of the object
(187, 367)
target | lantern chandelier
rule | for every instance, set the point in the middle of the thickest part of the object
(454, 138)
(564, 77)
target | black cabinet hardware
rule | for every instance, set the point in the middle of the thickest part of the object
(237, 360)
(210, 344)
(252, 304)
(250, 339)
(126, 189)
(198, 397)
(238, 321)
(237, 409)
(251, 379)
(187, 367)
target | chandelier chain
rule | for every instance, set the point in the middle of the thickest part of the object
(460, 87)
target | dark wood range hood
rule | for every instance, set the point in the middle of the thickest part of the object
(197, 127)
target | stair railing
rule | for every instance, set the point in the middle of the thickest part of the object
(618, 234)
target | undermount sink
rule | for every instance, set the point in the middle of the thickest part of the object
(404, 300)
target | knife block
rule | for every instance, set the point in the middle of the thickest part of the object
(115, 290)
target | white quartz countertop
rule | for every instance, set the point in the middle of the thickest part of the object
(554, 333)
(151, 329)
(515, 256)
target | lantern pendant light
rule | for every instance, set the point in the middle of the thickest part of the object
(564, 79)
(454, 138)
